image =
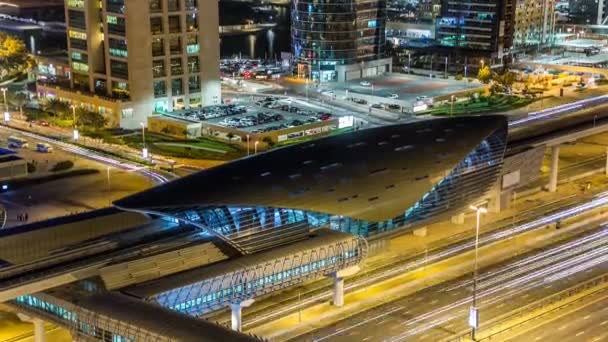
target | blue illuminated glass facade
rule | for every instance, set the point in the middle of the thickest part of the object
(336, 32)
(197, 305)
(70, 318)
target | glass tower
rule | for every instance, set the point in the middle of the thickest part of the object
(327, 33)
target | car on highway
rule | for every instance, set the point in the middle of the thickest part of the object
(393, 96)
(359, 101)
(365, 84)
(378, 106)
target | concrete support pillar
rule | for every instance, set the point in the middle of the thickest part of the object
(458, 219)
(338, 277)
(338, 291)
(39, 331)
(554, 168)
(420, 232)
(237, 315)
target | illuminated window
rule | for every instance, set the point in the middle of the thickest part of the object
(76, 3)
(77, 35)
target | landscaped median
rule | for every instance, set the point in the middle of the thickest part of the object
(483, 104)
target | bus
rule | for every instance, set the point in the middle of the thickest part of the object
(16, 142)
(44, 148)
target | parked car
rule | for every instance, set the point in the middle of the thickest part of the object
(393, 96)
(365, 84)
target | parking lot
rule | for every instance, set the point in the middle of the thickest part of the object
(400, 87)
(260, 114)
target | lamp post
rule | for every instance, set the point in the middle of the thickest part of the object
(473, 312)
(452, 105)
(409, 63)
(4, 90)
(76, 135)
(255, 147)
(248, 139)
(144, 150)
(446, 68)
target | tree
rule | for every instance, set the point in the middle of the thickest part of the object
(92, 120)
(485, 74)
(268, 140)
(57, 107)
(19, 100)
(14, 56)
(230, 135)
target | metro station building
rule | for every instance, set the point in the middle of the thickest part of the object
(227, 235)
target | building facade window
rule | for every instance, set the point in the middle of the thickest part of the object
(156, 25)
(176, 67)
(192, 47)
(118, 48)
(115, 6)
(194, 84)
(173, 5)
(175, 24)
(192, 22)
(116, 25)
(158, 47)
(193, 65)
(119, 69)
(158, 68)
(160, 88)
(156, 6)
(76, 19)
(175, 45)
(177, 87)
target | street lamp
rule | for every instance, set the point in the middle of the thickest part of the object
(76, 135)
(255, 147)
(248, 143)
(4, 94)
(144, 150)
(452, 105)
(473, 312)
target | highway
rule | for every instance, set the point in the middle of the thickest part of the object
(309, 294)
(441, 311)
(93, 155)
(586, 324)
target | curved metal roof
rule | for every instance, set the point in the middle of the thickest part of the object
(371, 174)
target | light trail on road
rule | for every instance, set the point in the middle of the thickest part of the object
(562, 109)
(90, 154)
(443, 254)
(591, 250)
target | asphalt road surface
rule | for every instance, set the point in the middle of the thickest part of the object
(587, 324)
(70, 195)
(441, 311)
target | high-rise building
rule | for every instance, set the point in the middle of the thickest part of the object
(534, 22)
(130, 58)
(338, 40)
(587, 12)
(480, 27)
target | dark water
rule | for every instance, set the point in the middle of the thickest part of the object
(263, 44)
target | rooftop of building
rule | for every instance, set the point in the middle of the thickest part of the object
(340, 175)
